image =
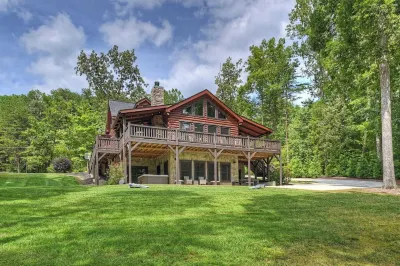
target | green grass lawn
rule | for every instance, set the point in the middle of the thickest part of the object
(51, 220)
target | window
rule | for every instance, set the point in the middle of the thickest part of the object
(221, 115)
(199, 170)
(199, 127)
(212, 129)
(225, 171)
(225, 130)
(187, 110)
(210, 110)
(186, 169)
(198, 108)
(185, 126)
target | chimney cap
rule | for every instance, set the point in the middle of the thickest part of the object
(156, 84)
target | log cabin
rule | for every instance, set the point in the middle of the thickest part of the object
(199, 140)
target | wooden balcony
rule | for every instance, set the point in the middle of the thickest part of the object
(169, 136)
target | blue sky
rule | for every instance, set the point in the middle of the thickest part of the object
(181, 43)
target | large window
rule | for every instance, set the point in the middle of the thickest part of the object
(187, 110)
(186, 169)
(225, 130)
(225, 172)
(210, 171)
(221, 115)
(199, 128)
(210, 110)
(185, 126)
(194, 109)
(198, 108)
(199, 170)
(212, 129)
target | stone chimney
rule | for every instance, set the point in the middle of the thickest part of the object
(157, 94)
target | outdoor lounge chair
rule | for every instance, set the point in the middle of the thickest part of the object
(187, 181)
(202, 180)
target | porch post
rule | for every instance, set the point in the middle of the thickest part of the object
(263, 169)
(280, 169)
(248, 168)
(268, 162)
(130, 162)
(177, 164)
(123, 149)
(215, 167)
(96, 168)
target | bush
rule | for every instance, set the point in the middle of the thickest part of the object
(116, 173)
(62, 165)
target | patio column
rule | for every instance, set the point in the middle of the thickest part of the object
(215, 153)
(130, 162)
(280, 170)
(249, 155)
(177, 172)
(96, 168)
(123, 149)
(248, 168)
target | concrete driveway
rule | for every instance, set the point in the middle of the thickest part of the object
(331, 184)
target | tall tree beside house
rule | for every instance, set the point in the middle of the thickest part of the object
(271, 71)
(228, 82)
(112, 75)
(349, 46)
(173, 96)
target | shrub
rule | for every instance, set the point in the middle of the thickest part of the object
(116, 173)
(62, 165)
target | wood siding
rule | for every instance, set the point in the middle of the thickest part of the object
(176, 116)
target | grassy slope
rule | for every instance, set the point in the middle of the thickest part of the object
(50, 220)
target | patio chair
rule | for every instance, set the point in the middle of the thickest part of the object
(202, 180)
(187, 181)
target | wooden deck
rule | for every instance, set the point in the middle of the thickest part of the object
(168, 136)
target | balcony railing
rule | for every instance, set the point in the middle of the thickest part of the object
(177, 136)
(108, 143)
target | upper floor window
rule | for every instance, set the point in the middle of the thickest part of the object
(194, 109)
(224, 130)
(212, 129)
(187, 110)
(198, 108)
(199, 127)
(221, 115)
(210, 110)
(185, 126)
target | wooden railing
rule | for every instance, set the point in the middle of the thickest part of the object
(177, 136)
(108, 143)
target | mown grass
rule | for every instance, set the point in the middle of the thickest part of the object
(51, 220)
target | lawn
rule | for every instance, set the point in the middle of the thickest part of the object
(51, 220)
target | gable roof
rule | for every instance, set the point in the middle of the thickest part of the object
(144, 100)
(116, 106)
(210, 95)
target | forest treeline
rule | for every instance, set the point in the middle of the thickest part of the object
(339, 52)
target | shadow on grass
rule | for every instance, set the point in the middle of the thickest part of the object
(104, 226)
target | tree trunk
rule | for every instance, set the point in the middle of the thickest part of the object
(389, 181)
(378, 147)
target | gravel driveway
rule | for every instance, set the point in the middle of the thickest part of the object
(331, 184)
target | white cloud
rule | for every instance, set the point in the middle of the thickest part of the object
(131, 33)
(232, 28)
(57, 43)
(6, 5)
(123, 7)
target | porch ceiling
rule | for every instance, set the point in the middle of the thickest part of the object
(154, 150)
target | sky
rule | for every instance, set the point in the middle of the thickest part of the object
(181, 43)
